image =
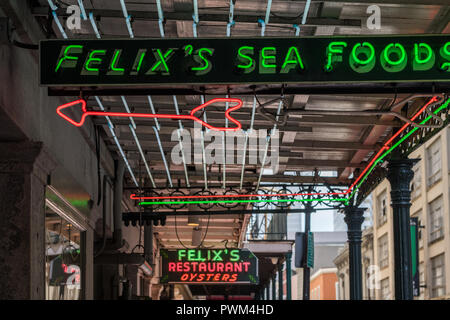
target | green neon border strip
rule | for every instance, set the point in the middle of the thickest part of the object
(346, 200)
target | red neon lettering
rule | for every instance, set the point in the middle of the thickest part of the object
(201, 277)
(171, 266)
(194, 266)
(184, 277)
(228, 267)
(193, 275)
(217, 277)
(225, 277)
(209, 276)
(202, 267)
(180, 266)
(211, 267)
(219, 267)
(246, 265)
(153, 116)
(237, 267)
(187, 267)
(233, 277)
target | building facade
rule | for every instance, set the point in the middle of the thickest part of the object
(324, 284)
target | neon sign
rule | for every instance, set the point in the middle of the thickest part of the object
(245, 60)
(209, 266)
(60, 111)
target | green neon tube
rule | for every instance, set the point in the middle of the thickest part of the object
(144, 203)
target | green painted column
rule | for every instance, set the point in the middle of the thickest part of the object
(354, 217)
(274, 291)
(280, 282)
(288, 276)
(400, 174)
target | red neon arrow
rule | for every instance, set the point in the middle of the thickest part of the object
(152, 116)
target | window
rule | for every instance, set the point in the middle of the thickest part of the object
(385, 292)
(382, 208)
(434, 165)
(437, 276)
(415, 183)
(383, 251)
(436, 220)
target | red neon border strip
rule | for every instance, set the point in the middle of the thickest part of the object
(159, 116)
(385, 147)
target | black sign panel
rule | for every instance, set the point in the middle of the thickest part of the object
(245, 60)
(209, 266)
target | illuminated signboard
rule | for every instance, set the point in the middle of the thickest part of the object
(245, 60)
(209, 266)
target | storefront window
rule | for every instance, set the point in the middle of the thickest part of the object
(63, 257)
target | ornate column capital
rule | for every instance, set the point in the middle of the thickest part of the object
(354, 218)
(400, 175)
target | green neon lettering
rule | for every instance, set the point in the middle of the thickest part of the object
(114, 69)
(388, 59)
(162, 59)
(234, 255)
(188, 49)
(370, 57)
(245, 62)
(138, 61)
(139, 66)
(206, 65)
(290, 62)
(420, 50)
(445, 55)
(92, 59)
(267, 60)
(417, 54)
(181, 254)
(217, 255)
(271, 57)
(334, 54)
(359, 65)
(191, 255)
(390, 65)
(65, 56)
